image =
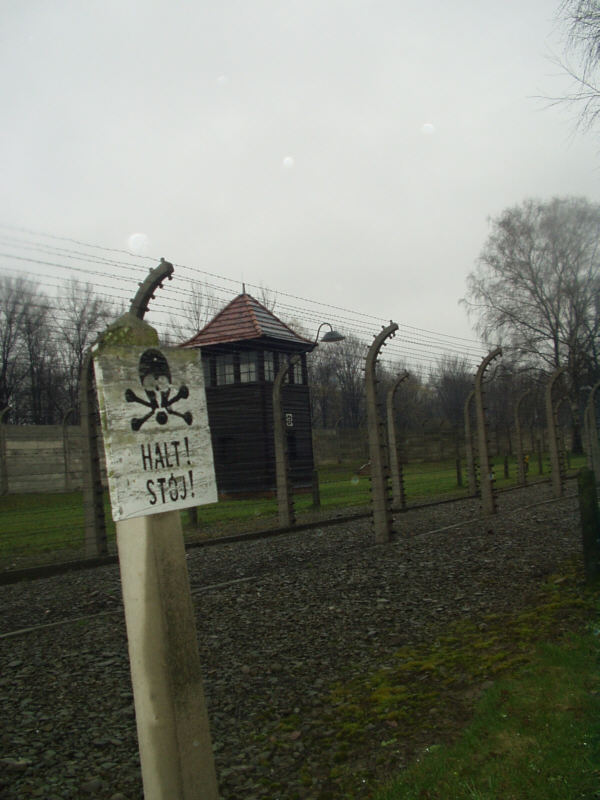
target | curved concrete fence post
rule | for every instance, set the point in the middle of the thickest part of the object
(592, 432)
(469, 449)
(380, 496)
(587, 436)
(562, 444)
(285, 500)
(67, 451)
(558, 476)
(522, 472)
(398, 493)
(93, 490)
(590, 523)
(488, 498)
(3, 456)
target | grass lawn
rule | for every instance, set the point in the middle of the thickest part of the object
(535, 735)
(42, 527)
(502, 707)
(44, 524)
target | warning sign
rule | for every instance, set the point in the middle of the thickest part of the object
(155, 428)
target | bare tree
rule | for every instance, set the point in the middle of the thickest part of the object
(12, 362)
(500, 398)
(324, 391)
(81, 316)
(268, 297)
(31, 381)
(537, 283)
(411, 399)
(582, 22)
(451, 380)
(337, 383)
(44, 391)
(348, 361)
(198, 307)
(537, 286)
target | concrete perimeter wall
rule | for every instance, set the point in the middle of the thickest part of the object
(40, 458)
(47, 458)
(345, 445)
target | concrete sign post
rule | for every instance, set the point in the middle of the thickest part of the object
(159, 460)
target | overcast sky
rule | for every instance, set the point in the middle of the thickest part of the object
(344, 150)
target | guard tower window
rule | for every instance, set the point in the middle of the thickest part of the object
(269, 366)
(297, 371)
(248, 367)
(225, 371)
(294, 373)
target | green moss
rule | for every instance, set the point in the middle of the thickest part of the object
(422, 682)
(535, 735)
(127, 330)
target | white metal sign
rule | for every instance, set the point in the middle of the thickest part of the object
(155, 426)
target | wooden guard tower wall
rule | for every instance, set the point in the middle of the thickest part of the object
(242, 348)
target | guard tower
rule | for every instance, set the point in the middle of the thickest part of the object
(242, 348)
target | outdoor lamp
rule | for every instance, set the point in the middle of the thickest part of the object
(330, 336)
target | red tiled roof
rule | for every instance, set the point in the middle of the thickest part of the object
(243, 319)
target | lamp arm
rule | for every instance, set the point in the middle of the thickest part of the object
(319, 330)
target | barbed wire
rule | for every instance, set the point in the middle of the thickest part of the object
(132, 268)
(421, 350)
(194, 270)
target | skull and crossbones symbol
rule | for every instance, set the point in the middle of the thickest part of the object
(155, 377)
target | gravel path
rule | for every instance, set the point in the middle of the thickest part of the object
(279, 621)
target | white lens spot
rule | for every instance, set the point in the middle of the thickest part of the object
(138, 244)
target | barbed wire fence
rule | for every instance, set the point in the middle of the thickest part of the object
(49, 464)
